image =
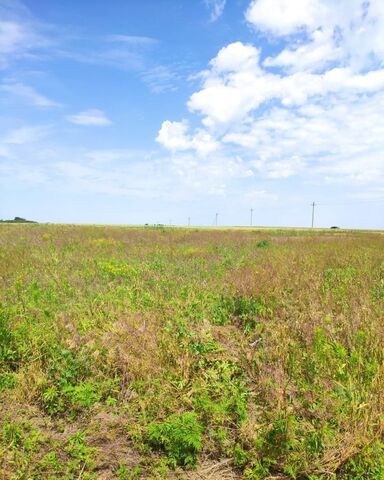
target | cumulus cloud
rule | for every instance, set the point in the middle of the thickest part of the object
(173, 136)
(92, 117)
(232, 90)
(347, 30)
(284, 17)
(313, 109)
(311, 56)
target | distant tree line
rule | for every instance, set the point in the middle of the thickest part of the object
(17, 220)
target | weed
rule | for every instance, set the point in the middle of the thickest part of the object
(125, 473)
(367, 465)
(262, 244)
(81, 455)
(12, 434)
(7, 380)
(180, 436)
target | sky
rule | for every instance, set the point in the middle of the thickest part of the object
(169, 111)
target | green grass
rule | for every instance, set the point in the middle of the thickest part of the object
(191, 353)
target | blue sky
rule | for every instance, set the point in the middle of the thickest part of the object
(160, 110)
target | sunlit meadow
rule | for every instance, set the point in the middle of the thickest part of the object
(188, 353)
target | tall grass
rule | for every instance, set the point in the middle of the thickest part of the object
(178, 353)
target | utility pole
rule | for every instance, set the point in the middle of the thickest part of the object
(189, 221)
(216, 217)
(313, 213)
(251, 216)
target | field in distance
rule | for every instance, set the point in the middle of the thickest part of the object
(130, 353)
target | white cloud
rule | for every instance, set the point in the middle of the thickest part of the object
(173, 136)
(12, 36)
(25, 173)
(92, 117)
(4, 151)
(24, 37)
(120, 173)
(212, 176)
(257, 196)
(29, 94)
(160, 79)
(27, 134)
(338, 141)
(312, 110)
(236, 57)
(216, 7)
(284, 17)
(20, 35)
(376, 195)
(106, 156)
(233, 88)
(347, 30)
(135, 40)
(233, 85)
(313, 55)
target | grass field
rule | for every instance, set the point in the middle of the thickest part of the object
(195, 354)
